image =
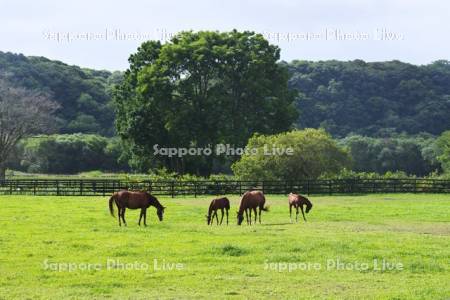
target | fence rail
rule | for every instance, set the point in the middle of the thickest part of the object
(95, 187)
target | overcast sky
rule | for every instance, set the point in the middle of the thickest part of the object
(102, 34)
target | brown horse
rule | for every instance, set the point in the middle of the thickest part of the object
(251, 200)
(216, 204)
(297, 201)
(134, 200)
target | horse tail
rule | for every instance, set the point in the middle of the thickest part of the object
(266, 207)
(111, 207)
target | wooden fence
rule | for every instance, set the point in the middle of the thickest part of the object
(95, 187)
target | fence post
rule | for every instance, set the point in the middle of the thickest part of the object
(240, 188)
(10, 187)
(329, 188)
(172, 189)
(81, 187)
(263, 186)
(307, 186)
(195, 189)
(34, 187)
(57, 187)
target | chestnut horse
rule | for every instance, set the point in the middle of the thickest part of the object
(134, 200)
(216, 204)
(297, 201)
(251, 200)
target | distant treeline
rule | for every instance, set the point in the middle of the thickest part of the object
(69, 154)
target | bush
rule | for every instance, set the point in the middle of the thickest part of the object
(443, 149)
(314, 153)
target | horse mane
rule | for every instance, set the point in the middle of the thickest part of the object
(306, 200)
(153, 200)
(210, 207)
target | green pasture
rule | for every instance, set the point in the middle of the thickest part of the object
(70, 247)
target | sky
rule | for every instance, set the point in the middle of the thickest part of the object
(102, 34)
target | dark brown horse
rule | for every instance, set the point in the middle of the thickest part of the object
(297, 201)
(134, 200)
(216, 204)
(251, 200)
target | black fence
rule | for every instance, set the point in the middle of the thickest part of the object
(96, 187)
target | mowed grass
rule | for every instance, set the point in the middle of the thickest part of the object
(241, 262)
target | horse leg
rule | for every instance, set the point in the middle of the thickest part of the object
(221, 219)
(250, 213)
(260, 209)
(256, 214)
(290, 212)
(246, 215)
(301, 207)
(226, 210)
(217, 217)
(211, 221)
(140, 216)
(123, 216)
(296, 214)
(119, 214)
(145, 217)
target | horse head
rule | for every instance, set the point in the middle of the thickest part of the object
(159, 208)
(240, 218)
(160, 212)
(308, 206)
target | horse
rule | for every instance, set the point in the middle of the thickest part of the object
(251, 200)
(298, 201)
(216, 204)
(133, 200)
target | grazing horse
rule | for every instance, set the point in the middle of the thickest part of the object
(216, 204)
(297, 201)
(251, 200)
(134, 200)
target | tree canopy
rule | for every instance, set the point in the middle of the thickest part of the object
(22, 113)
(201, 89)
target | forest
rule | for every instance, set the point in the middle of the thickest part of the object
(208, 87)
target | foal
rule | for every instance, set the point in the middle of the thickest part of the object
(134, 200)
(298, 201)
(251, 200)
(216, 204)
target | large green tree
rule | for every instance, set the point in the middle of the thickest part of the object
(200, 89)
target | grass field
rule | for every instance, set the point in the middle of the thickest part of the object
(410, 233)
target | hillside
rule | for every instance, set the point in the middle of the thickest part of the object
(83, 94)
(375, 99)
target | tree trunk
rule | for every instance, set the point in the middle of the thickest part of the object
(2, 171)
